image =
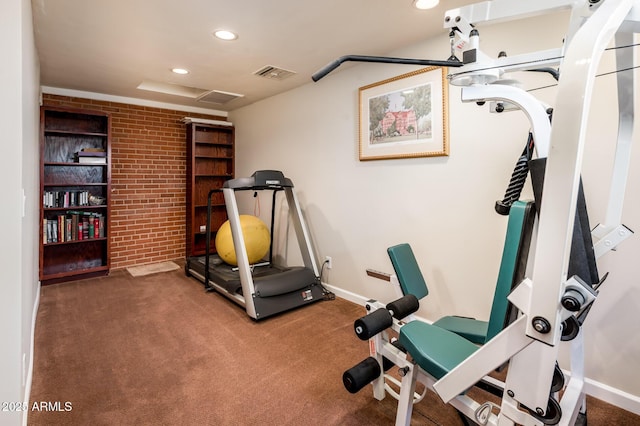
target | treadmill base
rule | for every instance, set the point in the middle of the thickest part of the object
(277, 289)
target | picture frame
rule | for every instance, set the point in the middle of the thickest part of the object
(405, 116)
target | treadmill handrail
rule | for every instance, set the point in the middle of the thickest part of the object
(207, 249)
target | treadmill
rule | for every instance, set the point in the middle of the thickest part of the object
(263, 289)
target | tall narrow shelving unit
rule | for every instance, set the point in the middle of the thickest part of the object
(75, 192)
(210, 162)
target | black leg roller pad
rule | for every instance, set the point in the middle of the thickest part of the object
(361, 375)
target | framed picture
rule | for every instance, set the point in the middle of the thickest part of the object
(405, 116)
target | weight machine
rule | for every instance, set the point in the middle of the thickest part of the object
(549, 299)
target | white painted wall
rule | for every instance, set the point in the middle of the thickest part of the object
(30, 284)
(19, 82)
(442, 206)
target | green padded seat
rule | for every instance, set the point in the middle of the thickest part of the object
(469, 328)
(436, 350)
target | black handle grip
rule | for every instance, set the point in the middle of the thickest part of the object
(327, 69)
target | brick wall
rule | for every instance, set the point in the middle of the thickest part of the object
(148, 180)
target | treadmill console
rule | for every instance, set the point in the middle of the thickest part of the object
(261, 179)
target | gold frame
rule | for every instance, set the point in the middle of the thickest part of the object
(418, 134)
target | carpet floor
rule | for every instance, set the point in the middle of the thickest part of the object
(158, 350)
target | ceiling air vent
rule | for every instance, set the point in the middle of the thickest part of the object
(274, 73)
(218, 97)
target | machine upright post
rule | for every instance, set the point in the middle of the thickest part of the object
(302, 232)
(241, 252)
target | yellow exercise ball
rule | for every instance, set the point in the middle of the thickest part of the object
(256, 240)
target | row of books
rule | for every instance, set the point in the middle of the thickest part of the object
(73, 226)
(53, 199)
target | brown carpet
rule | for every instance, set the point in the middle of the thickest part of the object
(158, 350)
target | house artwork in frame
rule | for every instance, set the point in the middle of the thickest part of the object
(405, 116)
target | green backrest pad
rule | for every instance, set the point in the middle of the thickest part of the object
(518, 215)
(407, 270)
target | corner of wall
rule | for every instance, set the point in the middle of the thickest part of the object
(28, 377)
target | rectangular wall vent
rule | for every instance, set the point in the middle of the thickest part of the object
(274, 73)
(218, 97)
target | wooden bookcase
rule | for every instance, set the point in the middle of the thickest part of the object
(75, 194)
(210, 162)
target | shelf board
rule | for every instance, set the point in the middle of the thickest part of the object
(74, 208)
(214, 143)
(215, 157)
(88, 240)
(201, 206)
(74, 164)
(48, 277)
(47, 184)
(213, 233)
(75, 133)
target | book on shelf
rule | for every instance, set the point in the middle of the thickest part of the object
(91, 152)
(54, 231)
(60, 229)
(92, 160)
(101, 228)
(74, 227)
(91, 156)
(96, 227)
(90, 228)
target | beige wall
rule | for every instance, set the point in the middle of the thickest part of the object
(19, 82)
(442, 206)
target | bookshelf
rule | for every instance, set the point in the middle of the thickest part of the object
(210, 162)
(75, 188)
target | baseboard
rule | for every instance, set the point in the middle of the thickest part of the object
(613, 396)
(29, 378)
(606, 393)
(346, 295)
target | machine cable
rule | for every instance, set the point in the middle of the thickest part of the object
(518, 179)
(327, 294)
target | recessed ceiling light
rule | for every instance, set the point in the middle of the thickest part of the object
(180, 71)
(425, 4)
(225, 35)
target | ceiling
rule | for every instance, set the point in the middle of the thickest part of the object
(112, 47)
